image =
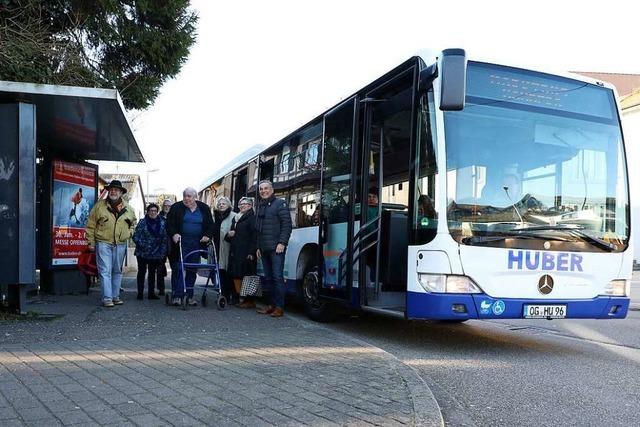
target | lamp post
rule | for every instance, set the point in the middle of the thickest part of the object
(148, 172)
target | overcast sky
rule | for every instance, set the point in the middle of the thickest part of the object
(260, 69)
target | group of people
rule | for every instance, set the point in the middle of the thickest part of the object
(186, 227)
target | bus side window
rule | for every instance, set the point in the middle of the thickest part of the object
(306, 208)
(425, 207)
(425, 214)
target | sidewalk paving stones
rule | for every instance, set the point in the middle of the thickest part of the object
(146, 364)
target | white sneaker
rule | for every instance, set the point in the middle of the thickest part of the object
(176, 301)
(107, 303)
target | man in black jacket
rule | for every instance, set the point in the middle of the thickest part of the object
(190, 224)
(273, 225)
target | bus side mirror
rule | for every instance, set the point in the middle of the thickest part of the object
(453, 79)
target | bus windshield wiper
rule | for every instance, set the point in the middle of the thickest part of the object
(573, 231)
(489, 239)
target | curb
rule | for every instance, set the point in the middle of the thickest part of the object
(426, 409)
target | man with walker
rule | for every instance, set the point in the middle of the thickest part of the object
(190, 227)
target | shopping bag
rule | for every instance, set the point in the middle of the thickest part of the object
(251, 287)
(87, 263)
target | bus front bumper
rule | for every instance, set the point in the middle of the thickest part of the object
(481, 306)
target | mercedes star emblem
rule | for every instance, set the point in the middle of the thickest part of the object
(545, 284)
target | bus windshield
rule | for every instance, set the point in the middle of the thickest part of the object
(535, 156)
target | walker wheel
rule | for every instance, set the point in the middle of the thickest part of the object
(203, 300)
(222, 303)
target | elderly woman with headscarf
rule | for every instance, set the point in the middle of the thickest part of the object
(222, 218)
(243, 239)
(190, 225)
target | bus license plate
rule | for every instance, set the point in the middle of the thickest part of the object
(545, 311)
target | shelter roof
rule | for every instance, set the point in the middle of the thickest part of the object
(78, 122)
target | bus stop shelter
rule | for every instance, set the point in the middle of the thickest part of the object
(47, 135)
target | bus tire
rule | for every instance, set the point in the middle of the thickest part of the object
(314, 307)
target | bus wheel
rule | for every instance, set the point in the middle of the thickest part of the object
(316, 309)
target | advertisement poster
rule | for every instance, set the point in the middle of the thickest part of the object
(74, 194)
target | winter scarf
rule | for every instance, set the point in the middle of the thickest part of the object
(153, 225)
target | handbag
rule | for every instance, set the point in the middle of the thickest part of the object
(251, 287)
(87, 263)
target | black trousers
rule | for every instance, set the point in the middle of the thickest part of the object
(152, 267)
(163, 268)
(228, 288)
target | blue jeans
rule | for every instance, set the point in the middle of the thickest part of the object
(177, 286)
(109, 258)
(273, 266)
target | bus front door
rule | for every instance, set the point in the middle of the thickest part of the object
(382, 237)
(336, 208)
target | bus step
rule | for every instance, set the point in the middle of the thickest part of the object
(385, 311)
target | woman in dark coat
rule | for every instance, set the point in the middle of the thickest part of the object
(222, 217)
(242, 236)
(152, 244)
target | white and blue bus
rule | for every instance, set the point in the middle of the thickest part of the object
(453, 189)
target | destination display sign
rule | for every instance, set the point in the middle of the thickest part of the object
(497, 83)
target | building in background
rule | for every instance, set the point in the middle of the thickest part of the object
(158, 199)
(135, 194)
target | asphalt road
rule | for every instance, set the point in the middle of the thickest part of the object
(542, 373)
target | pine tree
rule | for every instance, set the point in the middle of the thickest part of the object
(130, 45)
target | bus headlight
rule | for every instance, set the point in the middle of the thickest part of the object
(462, 285)
(618, 288)
(448, 284)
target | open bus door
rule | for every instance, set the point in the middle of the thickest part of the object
(337, 207)
(383, 232)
